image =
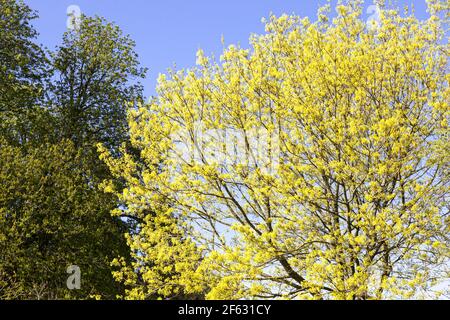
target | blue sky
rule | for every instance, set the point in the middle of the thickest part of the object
(171, 31)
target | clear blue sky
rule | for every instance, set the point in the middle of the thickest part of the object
(171, 31)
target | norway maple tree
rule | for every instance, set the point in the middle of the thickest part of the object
(313, 165)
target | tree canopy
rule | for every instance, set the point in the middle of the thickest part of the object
(311, 165)
(97, 75)
(52, 216)
(54, 108)
(23, 70)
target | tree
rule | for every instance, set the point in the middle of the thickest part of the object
(163, 259)
(97, 79)
(311, 166)
(52, 212)
(23, 71)
(97, 73)
(52, 216)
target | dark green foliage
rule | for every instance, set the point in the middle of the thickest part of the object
(23, 70)
(53, 112)
(97, 71)
(53, 216)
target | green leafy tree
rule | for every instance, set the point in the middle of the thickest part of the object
(23, 72)
(97, 72)
(52, 216)
(52, 212)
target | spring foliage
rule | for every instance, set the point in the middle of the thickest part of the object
(348, 198)
(52, 216)
(53, 111)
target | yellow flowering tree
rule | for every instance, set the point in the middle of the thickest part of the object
(313, 165)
